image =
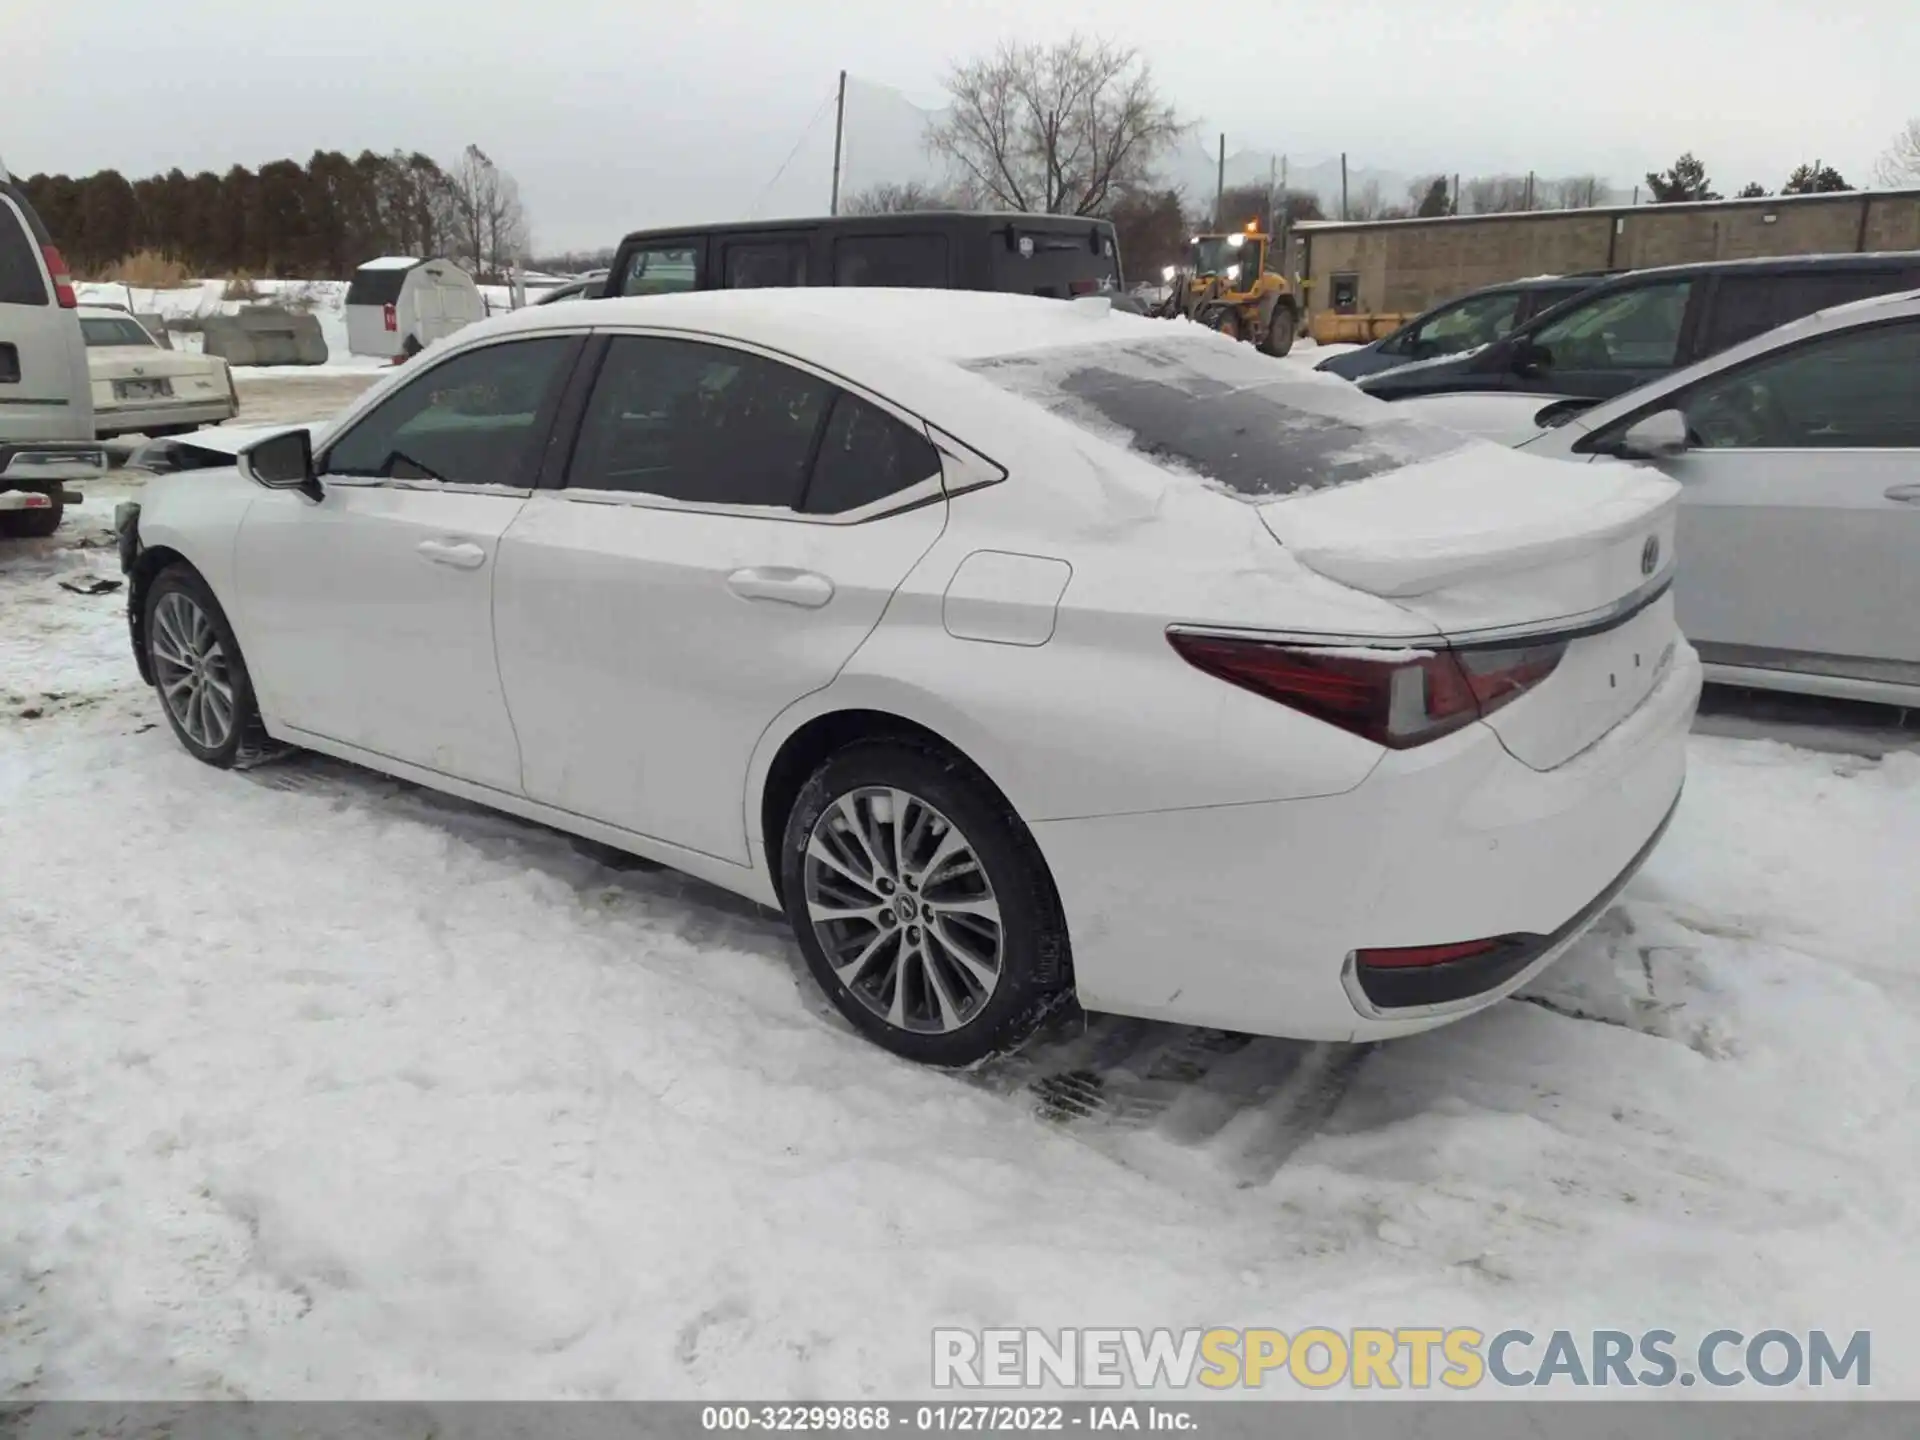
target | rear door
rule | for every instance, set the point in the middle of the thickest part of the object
(731, 528)
(1742, 306)
(44, 389)
(1059, 261)
(1800, 520)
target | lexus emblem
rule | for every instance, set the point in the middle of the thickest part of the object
(1650, 555)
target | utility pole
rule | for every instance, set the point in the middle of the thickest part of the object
(839, 130)
(1343, 184)
(1273, 171)
(1220, 186)
(1455, 210)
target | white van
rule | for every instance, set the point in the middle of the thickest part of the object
(46, 400)
(399, 304)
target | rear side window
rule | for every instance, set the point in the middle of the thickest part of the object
(904, 262)
(701, 423)
(866, 455)
(21, 282)
(764, 264)
(1748, 305)
(1221, 412)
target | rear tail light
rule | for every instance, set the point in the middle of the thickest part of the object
(62, 280)
(1408, 957)
(388, 318)
(1396, 698)
(1083, 287)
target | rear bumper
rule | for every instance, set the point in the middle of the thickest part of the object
(41, 462)
(136, 419)
(1248, 917)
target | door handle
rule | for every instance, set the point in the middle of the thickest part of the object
(461, 554)
(1908, 493)
(779, 583)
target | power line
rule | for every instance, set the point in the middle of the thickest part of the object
(761, 199)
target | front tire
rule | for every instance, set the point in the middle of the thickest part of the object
(198, 671)
(922, 904)
(1280, 331)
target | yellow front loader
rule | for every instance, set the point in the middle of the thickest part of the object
(1228, 284)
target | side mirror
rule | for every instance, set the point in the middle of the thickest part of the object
(1658, 437)
(283, 462)
(1527, 358)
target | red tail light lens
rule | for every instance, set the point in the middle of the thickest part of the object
(1395, 698)
(388, 318)
(1408, 957)
(62, 279)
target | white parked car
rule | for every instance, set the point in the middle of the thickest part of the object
(1798, 459)
(1019, 649)
(141, 387)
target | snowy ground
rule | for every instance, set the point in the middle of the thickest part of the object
(312, 1084)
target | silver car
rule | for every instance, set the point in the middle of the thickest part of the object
(1798, 454)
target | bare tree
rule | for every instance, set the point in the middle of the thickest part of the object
(1900, 165)
(888, 198)
(1571, 192)
(1493, 194)
(489, 231)
(1365, 203)
(1060, 129)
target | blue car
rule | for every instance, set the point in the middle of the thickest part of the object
(1461, 324)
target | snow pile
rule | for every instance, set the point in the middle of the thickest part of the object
(314, 1085)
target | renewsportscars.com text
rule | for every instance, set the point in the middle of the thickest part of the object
(1392, 1359)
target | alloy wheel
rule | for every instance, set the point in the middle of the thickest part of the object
(192, 670)
(903, 910)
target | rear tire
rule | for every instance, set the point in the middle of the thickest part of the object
(922, 904)
(1280, 331)
(34, 524)
(199, 673)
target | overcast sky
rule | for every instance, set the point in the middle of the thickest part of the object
(615, 114)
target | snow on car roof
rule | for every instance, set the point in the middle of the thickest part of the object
(393, 262)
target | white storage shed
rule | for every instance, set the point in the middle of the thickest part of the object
(399, 304)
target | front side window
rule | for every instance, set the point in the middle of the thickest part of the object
(470, 420)
(1637, 329)
(699, 423)
(1859, 390)
(1468, 325)
(113, 330)
(661, 270)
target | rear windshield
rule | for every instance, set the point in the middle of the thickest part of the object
(378, 287)
(1057, 263)
(109, 330)
(1242, 422)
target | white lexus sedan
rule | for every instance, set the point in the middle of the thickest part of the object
(1798, 460)
(140, 386)
(1020, 650)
